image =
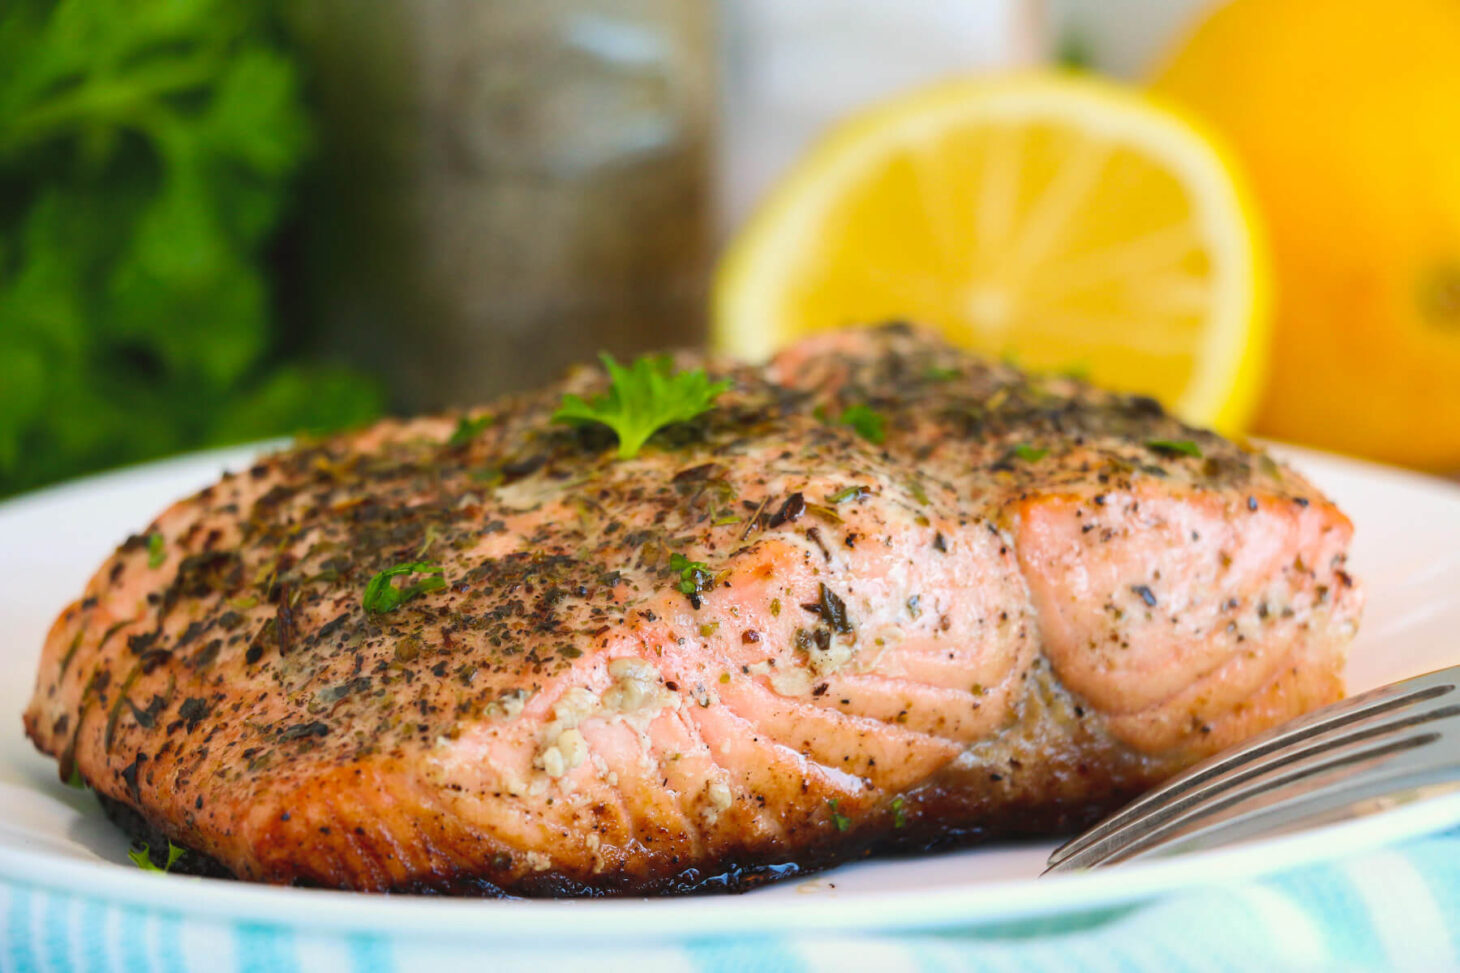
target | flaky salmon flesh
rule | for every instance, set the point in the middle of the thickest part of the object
(999, 605)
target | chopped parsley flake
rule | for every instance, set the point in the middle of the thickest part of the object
(467, 429)
(868, 422)
(642, 399)
(156, 550)
(1029, 454)
(936, 374)
(694, 576)
(848, 493)
(382, 596)
(841, 821)
(899, 812)
(1174, 447)
(142, 857)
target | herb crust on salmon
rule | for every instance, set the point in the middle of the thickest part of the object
(878, 594)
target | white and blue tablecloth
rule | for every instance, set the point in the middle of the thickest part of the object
(1393, 909)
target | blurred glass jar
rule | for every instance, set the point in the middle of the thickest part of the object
(507, 187)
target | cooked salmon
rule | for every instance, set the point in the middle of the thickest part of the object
(883, 595)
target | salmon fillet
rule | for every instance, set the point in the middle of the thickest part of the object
(986, 604)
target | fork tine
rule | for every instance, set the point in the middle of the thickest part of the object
(1272, 769)
(1351, 715)
(1296, 750)
(1298, 797)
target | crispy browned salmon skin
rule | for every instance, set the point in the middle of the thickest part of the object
(935, 600)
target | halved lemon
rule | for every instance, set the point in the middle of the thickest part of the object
(1071, 223)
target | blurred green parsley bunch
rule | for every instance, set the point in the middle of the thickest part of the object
(148, 149)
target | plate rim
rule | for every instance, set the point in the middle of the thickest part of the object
(701, 916)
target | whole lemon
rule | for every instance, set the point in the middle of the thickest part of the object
(1346, 114)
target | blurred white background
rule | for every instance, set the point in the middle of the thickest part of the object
(793, 67)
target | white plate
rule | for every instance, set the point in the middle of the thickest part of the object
(1407, 551)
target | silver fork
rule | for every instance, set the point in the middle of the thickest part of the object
(1394, 745)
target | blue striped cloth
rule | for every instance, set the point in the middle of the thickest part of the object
(1394, 909)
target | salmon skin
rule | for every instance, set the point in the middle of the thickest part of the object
(920, 600)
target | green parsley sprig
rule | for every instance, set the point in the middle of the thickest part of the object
(142, 857)
(642, 399)
(382, 596)
(149, 152)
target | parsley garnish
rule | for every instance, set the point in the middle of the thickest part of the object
(936, 374)
(642, 399)
(142, 857)
(867, 421)
(381, 596)
(1174, 447)
(156, 550)
(841, 821)
(147, 159)
(899, 812)
(694, 576)
(467, 429)
(1029, 453)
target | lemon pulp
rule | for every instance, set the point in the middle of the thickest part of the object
(1070, 223)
